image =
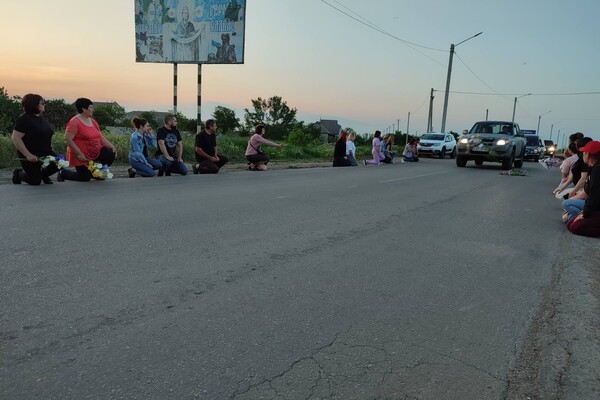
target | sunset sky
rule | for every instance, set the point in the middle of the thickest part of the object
(328, 65)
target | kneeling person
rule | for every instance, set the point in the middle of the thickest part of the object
(207, 153)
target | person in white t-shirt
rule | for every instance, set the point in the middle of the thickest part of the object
(351, 150)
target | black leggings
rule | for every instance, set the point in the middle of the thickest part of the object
(82, 173)
(33, 173)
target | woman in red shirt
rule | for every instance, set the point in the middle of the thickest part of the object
(85, 143)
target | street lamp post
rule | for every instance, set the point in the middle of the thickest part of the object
(552, 127)
(515, 105)
(539, 119)
(452, 46)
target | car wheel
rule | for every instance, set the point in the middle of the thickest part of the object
(479, 162)
(443, 153)
(508, 162)
(461, 162)
(453, 153)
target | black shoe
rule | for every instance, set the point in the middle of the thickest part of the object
(131, 172)
(167, 173)
(47, 180)
(16, 179)
(161, 172)
(59, 176)
(194, 169)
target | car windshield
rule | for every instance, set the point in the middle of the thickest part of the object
(432, 136)
(548, 143)
(532, 140)
(492, 127)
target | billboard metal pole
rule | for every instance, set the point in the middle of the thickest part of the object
(199, 113)
(175, 88)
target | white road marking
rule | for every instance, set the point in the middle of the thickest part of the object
(413, 177)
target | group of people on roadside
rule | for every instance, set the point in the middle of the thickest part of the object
(86, 145)
(344, 153)
(579, 187)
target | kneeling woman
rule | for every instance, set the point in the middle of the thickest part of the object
(85, 143)
(257, 160)
(141, 138)
(32, 138)
(587, 223)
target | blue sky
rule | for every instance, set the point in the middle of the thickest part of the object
(328, 65)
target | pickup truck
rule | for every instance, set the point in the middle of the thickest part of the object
(492, 141)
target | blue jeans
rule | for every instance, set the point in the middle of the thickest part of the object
(352, 160)
(173, 166)
(573, 207)
(143, 169)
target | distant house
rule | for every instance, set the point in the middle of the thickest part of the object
(330, 129)
(159, 117)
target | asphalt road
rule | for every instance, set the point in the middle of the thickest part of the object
(405, 281)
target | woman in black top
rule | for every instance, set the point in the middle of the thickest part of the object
(32, 137)
(339, 152)
(587, 223)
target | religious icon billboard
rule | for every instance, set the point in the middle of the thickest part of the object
(190, 31)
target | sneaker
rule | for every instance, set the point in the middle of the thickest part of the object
(365, 162)
(167, 173)
(47, 180)
(16, 179)
(131, 172)
(59, 176)
(161, 172)
(194, 169)
(402, 161)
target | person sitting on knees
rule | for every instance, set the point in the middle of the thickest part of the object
(587, 223)
(207, 153)
(257, 160)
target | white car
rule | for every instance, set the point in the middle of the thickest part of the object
(437, 144)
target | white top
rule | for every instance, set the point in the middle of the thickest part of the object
(350, 147)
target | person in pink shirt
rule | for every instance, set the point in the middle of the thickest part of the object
(257, 160)
(85, 143)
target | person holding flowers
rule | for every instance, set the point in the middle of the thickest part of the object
(86, 146)
(32, 137)
(141, 164)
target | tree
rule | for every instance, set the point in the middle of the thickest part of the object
(58, 113)
(273, 112)
(185, 124)
(10, 109)
(226, 119)
(150, 116)
(110, 114)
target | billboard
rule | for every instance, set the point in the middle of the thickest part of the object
(190, 31)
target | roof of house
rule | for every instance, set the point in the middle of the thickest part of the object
(329, 126)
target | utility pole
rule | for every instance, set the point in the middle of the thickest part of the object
(430, 119)
(407, 127)
(486, 113)
(515, 105)
(452, 46)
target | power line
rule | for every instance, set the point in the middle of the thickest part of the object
(520, 94)
(369, 24)
(475, 75)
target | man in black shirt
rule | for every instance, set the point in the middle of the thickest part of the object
(170, 147)
(207, 153)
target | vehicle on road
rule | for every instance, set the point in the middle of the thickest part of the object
(437, 144)
(492, 141)
(534, 148)
(550, 148)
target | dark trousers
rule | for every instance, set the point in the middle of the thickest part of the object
(82, 173)
(208, 167)
(33, 173)
(589, 226)
(258, 158)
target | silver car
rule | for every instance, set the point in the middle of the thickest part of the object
(492, 141)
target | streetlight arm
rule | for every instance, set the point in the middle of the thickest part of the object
(474, 36)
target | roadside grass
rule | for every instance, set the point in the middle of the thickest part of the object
(232, 146)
